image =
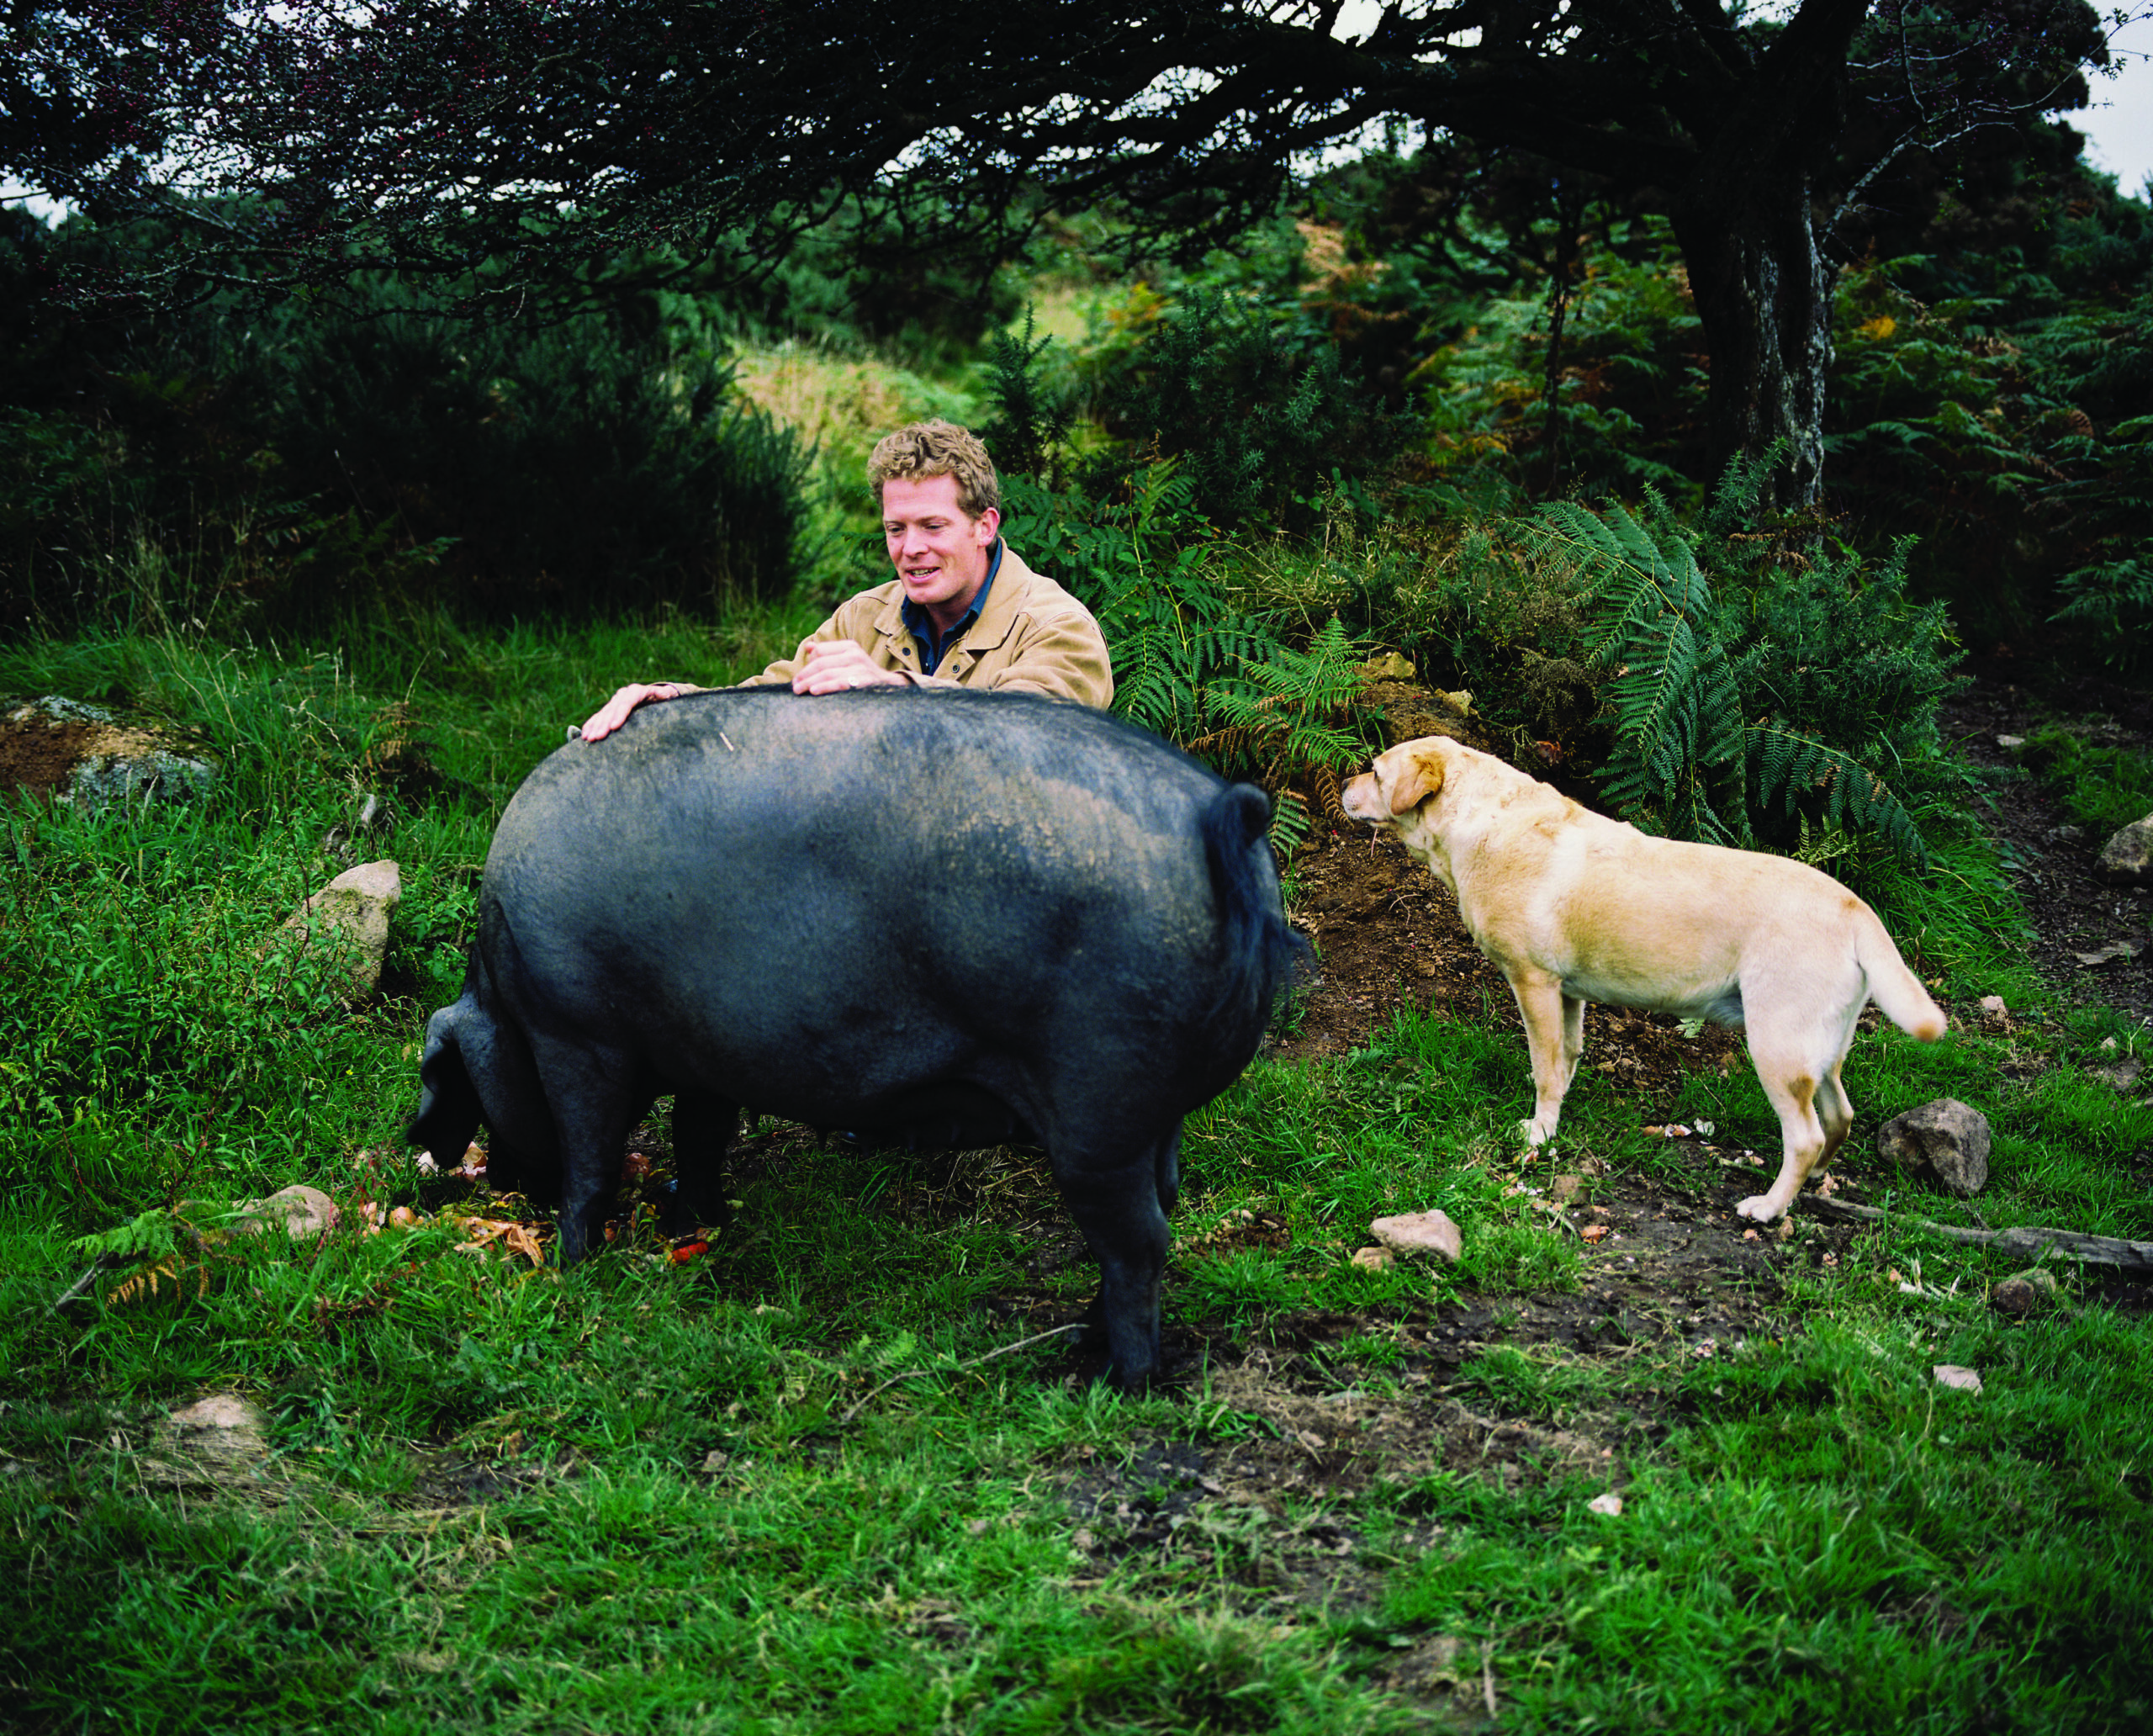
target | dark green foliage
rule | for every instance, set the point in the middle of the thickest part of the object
(2101, 365)
(573, 468)
(1804, 692)
(2106, 785)
(1678, 736)
(1628, 408)
(282, 471)
(1144, 568)
(1995, 402)
(1032, 413)
(1259, 410)
(1188, 664)
(1298, 713)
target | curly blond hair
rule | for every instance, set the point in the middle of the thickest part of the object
(919, 450)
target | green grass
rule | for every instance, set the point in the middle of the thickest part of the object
(1834, 1539)
(658, 1497)
(2105, 786)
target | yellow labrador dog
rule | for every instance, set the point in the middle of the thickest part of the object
(1575, 908)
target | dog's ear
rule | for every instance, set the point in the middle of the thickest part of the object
(1423, 777)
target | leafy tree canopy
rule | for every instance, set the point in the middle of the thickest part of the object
(506, 146)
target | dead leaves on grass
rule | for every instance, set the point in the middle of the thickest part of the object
(482, 1235)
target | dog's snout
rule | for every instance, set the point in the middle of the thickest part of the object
(1362, 801)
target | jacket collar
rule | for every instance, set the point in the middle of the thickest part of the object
(997, 620)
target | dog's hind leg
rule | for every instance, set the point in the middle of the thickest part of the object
(1573, 1038)
(1835, 1113)
(1554, 1035)
(1796, 1092)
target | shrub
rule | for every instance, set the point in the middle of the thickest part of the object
(1260, 411)
(1799, 692)
(271, 470)
(1187, 663)
(575, 469)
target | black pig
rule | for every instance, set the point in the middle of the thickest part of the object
(942, 916)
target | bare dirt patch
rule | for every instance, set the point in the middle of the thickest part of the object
(39, 756)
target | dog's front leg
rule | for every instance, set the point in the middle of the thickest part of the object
(1548, 1025)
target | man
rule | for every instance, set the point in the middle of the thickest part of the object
(963, 612)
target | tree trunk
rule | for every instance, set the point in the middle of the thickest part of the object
(1764, 293)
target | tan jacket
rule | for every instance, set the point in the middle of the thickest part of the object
(1032, 637)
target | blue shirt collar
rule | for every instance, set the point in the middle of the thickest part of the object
(933, 647)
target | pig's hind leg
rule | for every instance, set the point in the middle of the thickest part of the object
(1122, 1214)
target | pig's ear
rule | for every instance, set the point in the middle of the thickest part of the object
(1423, 777)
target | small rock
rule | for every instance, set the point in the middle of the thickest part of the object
(1993, 1011)
(2114, 951)
(221, 1426)
(2023, 1292)
(1428, 1232)
(1945, 1139)
(353, 911)
(1958, 1379)
(2127, 858)
(1386, 666)
(303, 1211)
(2011, 743)
(1376, 1259)
(1610, 1503)
(106, 762)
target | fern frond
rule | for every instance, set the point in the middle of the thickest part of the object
(1290, 822)
(1789, 768)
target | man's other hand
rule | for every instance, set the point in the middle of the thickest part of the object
(832, 666)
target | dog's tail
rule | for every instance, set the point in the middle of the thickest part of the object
(1892, 985)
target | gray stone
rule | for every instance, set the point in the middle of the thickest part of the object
(2108, 955)
(1945, 1139)
(2127, 858)
(303, 1211)
(61, 711)
(114, 763)
(137, 776)
(223, 1427)
(1428, 1232)
(353, 912)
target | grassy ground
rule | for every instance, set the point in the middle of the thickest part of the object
(656, 1495)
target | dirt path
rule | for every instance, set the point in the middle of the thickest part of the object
(2071, 912)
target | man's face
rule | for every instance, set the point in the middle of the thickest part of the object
(939, 549)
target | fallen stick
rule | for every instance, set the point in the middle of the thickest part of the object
(2025, 1244)
(958, 1368)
